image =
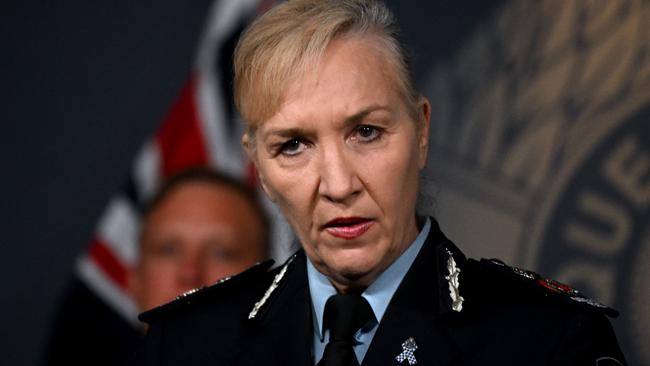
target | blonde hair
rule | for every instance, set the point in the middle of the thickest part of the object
(278, 47)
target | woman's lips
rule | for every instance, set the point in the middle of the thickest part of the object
(348, 228)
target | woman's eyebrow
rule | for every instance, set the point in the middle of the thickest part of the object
(299, 131)
(359, 116)
(284, 132)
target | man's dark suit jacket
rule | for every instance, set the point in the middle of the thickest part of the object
(509, 317)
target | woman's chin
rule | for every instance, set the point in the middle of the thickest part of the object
(352, 272)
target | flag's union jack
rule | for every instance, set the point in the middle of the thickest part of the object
(201, 129)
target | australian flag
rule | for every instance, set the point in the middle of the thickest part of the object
(97, 321)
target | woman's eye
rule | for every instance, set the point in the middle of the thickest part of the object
(291, 147)
(367, 133)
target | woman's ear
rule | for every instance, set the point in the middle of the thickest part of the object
(247, 143)
(423, 143)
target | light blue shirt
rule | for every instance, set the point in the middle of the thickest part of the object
(378, 294)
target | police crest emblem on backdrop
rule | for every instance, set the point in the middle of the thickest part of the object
(540, 149)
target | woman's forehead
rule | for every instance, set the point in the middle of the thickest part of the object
(350, 79)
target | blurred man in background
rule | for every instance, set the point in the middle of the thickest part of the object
(200, 227)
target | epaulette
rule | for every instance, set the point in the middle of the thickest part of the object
(547, 287)
(218, 289)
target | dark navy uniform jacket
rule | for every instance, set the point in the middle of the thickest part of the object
(509, 316)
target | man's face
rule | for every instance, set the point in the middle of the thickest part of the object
(341, 158)
(199, 233)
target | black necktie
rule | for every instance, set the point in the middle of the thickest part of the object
(344, 315)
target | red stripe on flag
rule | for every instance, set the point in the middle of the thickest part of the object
(180, 136)
(110, 265)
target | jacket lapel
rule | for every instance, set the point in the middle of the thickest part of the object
(420, 309)
(281, 332)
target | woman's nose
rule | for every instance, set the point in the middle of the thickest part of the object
(338, 177)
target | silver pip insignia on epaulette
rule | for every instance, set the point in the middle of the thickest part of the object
(276, 281)
(195, 290)
(188, 293)
(227, 278)
(553, 285)
(454, 284)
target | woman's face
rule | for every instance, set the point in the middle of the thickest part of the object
(341, 158)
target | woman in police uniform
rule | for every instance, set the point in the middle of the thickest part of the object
(338, 135)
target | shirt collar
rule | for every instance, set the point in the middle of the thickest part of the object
(378, 294)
